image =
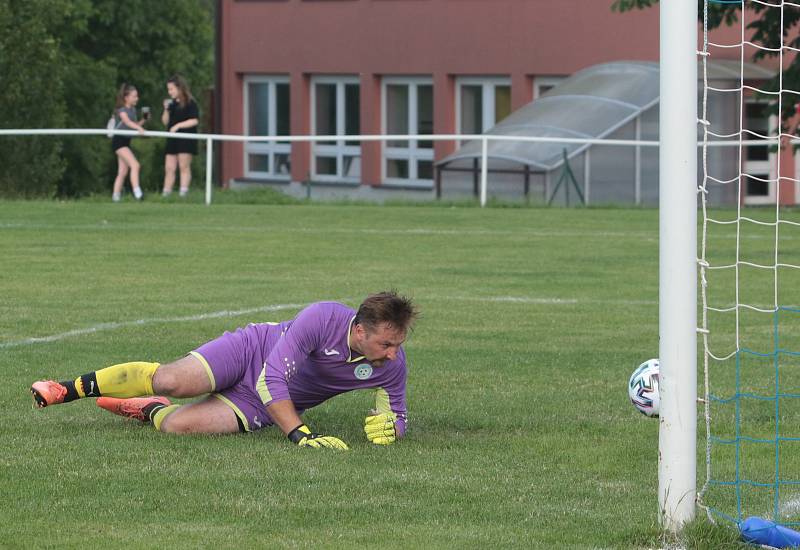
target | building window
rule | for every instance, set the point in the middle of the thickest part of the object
(266, 111)
(336, 110)
(543, 84)
(759, 161)
(481, 103)
(408, 110)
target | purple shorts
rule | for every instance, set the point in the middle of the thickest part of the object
(235, 363)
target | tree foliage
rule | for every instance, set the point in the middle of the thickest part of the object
(770, 28)
(61, 63)
(31, 91)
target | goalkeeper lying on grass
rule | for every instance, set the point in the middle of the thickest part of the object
(266, 374)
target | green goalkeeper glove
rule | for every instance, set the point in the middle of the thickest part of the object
(303, 437)
(380, 428)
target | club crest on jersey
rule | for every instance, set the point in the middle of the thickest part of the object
(363, 371)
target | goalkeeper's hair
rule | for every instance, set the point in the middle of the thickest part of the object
(387, 307)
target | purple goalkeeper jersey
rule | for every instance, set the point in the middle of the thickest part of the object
(309, 360)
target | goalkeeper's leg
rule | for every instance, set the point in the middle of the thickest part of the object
(186, 377)
(210, 415)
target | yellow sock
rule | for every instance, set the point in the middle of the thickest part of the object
(123, 380)
(161, 414)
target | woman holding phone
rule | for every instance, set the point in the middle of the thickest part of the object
(125, 116)
(180, 115)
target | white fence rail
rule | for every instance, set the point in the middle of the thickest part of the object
(483, 138)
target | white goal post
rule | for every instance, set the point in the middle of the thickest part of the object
(677, 441)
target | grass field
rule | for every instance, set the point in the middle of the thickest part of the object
(521, 433)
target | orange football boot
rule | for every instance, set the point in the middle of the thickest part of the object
(132, 407)
(48, 392)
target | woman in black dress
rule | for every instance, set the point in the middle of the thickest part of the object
(180, 115)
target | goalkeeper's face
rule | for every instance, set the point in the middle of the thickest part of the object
(378, 344)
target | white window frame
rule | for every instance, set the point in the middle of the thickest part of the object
(340, 149)
(412, 154)
(797, 177)
(761, 167)
(270, 148)
(488, 84)
(540, 82)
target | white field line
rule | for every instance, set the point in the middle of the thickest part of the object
(140, 322)
(647, 236)
(789, 509)
(543, 300)
(105, 226)
(101, 327)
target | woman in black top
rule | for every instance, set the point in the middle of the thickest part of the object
(180, 115)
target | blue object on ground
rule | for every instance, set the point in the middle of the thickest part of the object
(762, 531)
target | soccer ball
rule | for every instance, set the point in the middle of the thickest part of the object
(643, 388)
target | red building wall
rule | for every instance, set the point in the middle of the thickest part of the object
(441, 39)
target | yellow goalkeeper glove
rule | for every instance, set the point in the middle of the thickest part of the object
(380, 428)
(303, 437)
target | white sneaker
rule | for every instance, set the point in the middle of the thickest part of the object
(116, 197)
(183, 192)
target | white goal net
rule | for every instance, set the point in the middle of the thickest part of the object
(749, 269)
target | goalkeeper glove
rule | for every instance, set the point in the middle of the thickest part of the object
(380, 428)
(303, 437)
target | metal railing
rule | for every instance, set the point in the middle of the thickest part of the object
(482, 138)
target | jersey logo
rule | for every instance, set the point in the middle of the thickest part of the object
(330, 351)
(363, 371)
